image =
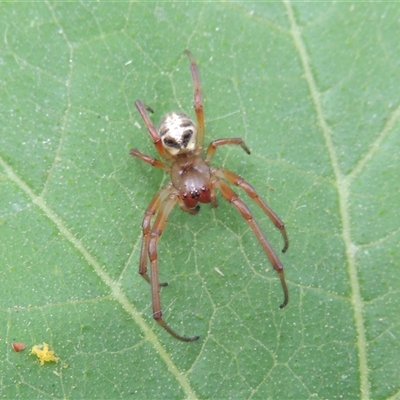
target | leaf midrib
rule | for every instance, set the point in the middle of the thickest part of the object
(343, 189)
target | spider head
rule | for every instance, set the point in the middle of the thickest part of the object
(178, 133)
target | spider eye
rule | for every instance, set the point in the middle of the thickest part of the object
(170, 142)
(187, 135)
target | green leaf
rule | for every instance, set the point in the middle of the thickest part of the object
(313, 89)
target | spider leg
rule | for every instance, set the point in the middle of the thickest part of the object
(198, 106)
(221, 142)
(155, 234)
(155, 137)
(151, 210)
(251, 192)
(149, 160)
(233, 198)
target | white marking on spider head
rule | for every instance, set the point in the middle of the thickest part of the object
(178, 133)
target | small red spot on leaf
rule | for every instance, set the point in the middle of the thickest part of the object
(18, 346)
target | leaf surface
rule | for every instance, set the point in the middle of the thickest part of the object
(313, 89)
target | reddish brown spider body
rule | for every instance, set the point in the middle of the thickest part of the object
(191, 175)
(180, 142)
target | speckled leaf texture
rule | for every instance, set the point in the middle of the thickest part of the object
(312, 88)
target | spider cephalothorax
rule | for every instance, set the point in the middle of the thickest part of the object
(180, 142)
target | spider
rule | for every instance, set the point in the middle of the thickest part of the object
(180, 142)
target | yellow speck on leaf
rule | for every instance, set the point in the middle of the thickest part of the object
(43, 353)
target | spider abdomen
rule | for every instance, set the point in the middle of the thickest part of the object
(191, 175)
(178, 133)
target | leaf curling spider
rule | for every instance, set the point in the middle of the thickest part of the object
(181, 144)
